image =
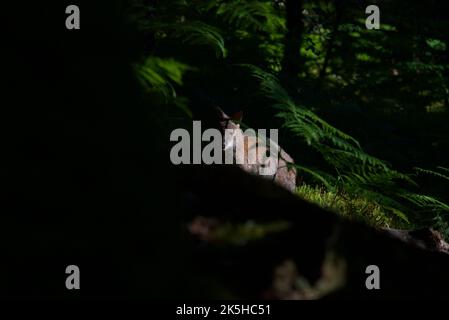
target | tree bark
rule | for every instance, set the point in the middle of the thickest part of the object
(292, 62)
(330, 44)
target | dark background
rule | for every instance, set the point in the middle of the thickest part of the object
(84, 168)
(77, 180)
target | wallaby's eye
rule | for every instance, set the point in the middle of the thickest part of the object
(224, 123)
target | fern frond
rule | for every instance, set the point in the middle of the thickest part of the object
(326, 179)
(444, 169)
(426, 202)
(193, 32)
(362, 174)
(433, 173)
(253, 15)
(160, 74)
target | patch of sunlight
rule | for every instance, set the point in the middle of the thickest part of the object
(347, 205)
(242, 233)
(424, 93)
(436, 44)
(436, 107)
(387, 27)
(365, 57)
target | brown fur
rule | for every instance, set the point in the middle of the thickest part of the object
(285, 174)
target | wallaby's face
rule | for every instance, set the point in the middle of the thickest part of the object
(230, 123)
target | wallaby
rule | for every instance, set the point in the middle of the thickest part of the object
(284, 173)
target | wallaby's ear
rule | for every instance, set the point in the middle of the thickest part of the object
(237, 116)
(221, 114)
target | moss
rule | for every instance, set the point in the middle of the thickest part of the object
(349, 206)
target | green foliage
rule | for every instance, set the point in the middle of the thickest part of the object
(399, 69)
(434, 173)
(192, 32)
(353, 171)
(349, 206)
(255, 16)
(159, 76)
(242, 233)
(436, 44)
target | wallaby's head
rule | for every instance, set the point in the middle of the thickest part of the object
(231, 123)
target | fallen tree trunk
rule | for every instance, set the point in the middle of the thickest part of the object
(407, 270)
